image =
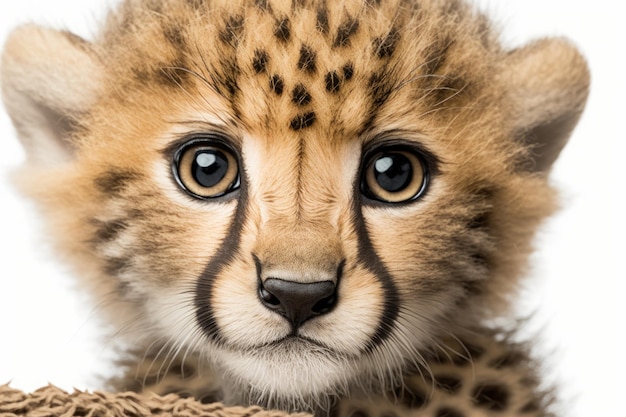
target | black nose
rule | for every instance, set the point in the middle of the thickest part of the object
(297, 301)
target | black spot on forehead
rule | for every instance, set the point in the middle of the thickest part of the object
(307, 59)
(259, 61)
(300, 96)
(282, 30)
(225, 80)
(380, 88)
(232, 31)
(302, 121)
(321, 23)
(345, 31)
(348, 71)
(277, 85)
(385, 46)
(332, 81)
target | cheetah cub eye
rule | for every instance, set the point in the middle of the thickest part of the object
(394, 174)
(206, 167)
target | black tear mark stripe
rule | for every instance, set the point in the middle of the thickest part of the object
(367, 256)
(224, 256)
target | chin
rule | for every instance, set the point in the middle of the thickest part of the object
(292, 374)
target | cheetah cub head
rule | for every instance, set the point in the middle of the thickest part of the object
(305, 194)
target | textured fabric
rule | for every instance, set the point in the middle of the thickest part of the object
(51, 401)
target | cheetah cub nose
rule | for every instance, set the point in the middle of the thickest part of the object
(297, 301)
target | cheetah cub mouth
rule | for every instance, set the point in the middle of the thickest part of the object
(307, 198)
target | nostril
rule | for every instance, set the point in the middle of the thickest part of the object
(297, 301)
(267, 297)
(325, 305)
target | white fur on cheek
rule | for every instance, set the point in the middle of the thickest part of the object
(242, 319)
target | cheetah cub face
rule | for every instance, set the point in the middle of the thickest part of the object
(307, 195)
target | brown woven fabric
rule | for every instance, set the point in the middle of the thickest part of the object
(51, 401)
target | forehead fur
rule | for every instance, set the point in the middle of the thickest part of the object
(337, 69)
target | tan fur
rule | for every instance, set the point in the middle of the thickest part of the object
(300, 89)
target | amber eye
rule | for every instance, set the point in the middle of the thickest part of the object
(394, 176)
(206, 170)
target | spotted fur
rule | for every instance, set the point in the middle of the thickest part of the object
(301, 95)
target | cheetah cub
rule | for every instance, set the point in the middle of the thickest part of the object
(308, 205)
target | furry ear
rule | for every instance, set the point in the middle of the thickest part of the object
(549, 85)
(48, 79)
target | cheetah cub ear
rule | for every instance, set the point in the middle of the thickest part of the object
(49, 78)
(549, 85)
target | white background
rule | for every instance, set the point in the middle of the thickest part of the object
(48, 333)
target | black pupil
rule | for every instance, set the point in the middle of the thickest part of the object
(393, 172)
(209, 167)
